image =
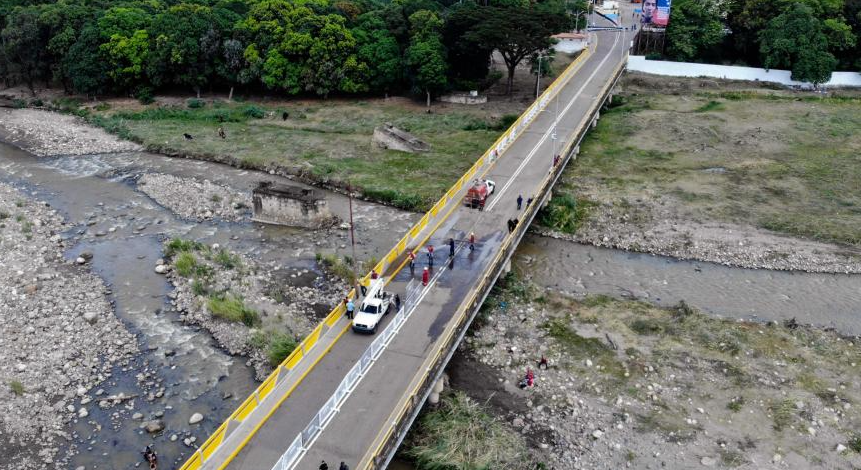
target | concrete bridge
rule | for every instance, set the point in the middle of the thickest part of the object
(348, 397)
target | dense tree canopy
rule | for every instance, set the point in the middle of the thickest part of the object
(811, 38)
(315, 47)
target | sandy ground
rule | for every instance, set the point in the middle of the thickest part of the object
(59, 337)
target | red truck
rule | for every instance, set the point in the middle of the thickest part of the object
(476, 196)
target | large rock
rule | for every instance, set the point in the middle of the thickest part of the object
(153, 426)
(91, 317)
(195, 418)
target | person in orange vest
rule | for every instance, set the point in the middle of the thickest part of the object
(412, 257)
(430, 255)
(425, 276)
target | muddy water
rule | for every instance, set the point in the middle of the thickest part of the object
(180, 370)
(819, 299)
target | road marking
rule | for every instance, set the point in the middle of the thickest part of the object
(550, 129)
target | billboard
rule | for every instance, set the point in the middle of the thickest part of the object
(656, 13)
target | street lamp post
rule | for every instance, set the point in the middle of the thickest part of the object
(538, 78)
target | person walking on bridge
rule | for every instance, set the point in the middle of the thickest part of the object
(451, 247)
(519, 201)
(343, 466)
(351, 307)
(324, 465)
(430, 255)
(471, 241)
(425, 276)
(412, 257)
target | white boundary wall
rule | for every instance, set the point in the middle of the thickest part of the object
(685, 69)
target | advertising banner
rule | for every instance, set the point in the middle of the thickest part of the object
(656, 13)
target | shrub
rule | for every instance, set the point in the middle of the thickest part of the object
(254, 112)
(37, 103)
(18, 103)
(226, 260)
(102, 107)
(4, 215)
(199, 288)
(176, 245)
(145, 95)
(195, 103)
(231, 308)
(185, 264)
(565, 213)
(280, 346)
(17, 387)
(855, 443)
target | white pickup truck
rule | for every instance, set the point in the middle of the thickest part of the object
(376, 303)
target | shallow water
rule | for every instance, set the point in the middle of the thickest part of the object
(124, 230)
(828, 300)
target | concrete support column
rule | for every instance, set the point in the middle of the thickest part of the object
(547, 201)
(506, 268)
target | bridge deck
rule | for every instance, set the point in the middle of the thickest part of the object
(355, 430)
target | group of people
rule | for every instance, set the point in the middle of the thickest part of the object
(325, 466)
(512, 224)
(529, 380)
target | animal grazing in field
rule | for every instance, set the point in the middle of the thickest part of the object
(187, 136)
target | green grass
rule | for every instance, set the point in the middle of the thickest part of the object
(280, 346)
(579, 348)
(330, 143)
(782, 414)
(16, 387)
(227, 261)
(790, 164)
(185, 264)
(855, 443)
(338, 266)
(176, 245)
(231, 308)
(565, 213)
(461, 434)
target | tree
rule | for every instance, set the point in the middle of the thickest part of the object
(22, 44)
(84, 65)
(426, 54)
(377, 47)
(186, 42)
(795, 40)
(468, 61)
(515, 32)
(694, 27)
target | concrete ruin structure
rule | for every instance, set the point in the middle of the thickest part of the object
(388, 136)
(290, 205)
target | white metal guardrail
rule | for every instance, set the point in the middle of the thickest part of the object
(306, 438)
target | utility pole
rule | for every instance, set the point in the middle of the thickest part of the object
(353, 241)
(538, 77)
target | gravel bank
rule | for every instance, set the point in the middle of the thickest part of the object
(58, 335)
(633, 386)
(657, 228)
(289, 301)
(192, 199)
(45, 133)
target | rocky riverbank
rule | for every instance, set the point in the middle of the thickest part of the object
(192, 199)
(629, 385)
(59, 337)
(251, 308)
(46, 133)
(662, 229)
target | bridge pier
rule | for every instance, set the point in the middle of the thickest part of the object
(595, 121)
(438, 388)
(547, 201)
(506, 268)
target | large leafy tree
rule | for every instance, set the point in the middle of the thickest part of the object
(516, 32)
(379, 49)
(468, 60)
(795, 40)
(426, 54)
(84, 65)
(22, 44)
(695, 27)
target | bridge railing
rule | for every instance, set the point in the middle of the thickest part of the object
(412, 240)
(433, 367)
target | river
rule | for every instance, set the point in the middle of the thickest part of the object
(191, 374)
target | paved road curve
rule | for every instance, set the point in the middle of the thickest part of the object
(353, 431)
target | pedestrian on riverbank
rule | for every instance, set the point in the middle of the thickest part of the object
(471, 241)
(519, 201)
(451, 247)
(351, 307)
(425, 276)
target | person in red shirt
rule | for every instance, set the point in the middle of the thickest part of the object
(425, 276)
(471, 241)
